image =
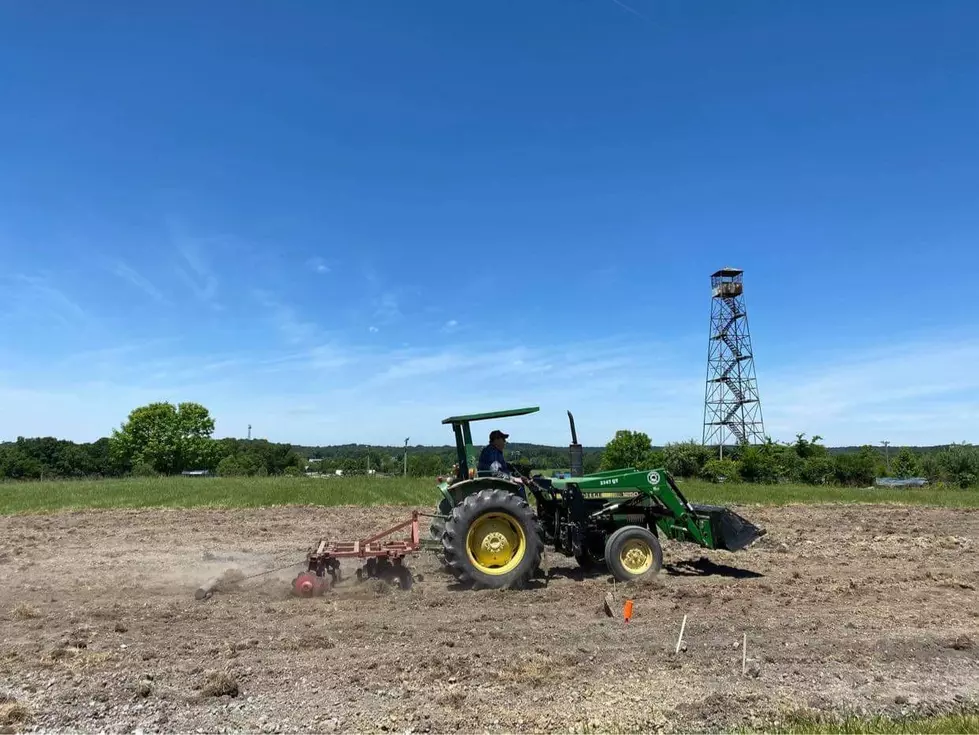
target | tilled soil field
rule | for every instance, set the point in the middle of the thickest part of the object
(856, 609)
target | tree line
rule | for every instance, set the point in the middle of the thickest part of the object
(167, 439)
(804, 461)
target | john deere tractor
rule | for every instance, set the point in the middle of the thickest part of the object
(490, 535)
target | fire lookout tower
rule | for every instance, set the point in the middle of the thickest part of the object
(732, 407)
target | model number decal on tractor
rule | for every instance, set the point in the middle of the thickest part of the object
(613, 481)
(620, 494)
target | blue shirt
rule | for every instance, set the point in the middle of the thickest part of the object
(488, 456)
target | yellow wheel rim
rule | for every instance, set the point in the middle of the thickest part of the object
(495, 543)
(636, 556)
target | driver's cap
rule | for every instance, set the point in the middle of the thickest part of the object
(497, 434)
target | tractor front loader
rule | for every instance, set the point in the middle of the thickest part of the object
(490, 535)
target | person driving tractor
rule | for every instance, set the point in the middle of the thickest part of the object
(491, 459)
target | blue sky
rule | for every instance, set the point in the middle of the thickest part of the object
(342, 222)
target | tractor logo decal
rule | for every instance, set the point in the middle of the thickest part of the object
(620, 494)
(653, 477)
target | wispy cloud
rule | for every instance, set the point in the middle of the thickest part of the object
(193, 266)
(384, 298)
(355, 391)
(630, 9)
(285, 320)
(318, 265)
(114, 356)
(853, 395)
(387, 307)
(127, 273)
(371, 275)
(30, 297)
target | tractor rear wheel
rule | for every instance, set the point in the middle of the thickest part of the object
(633, 553)
(492, 540)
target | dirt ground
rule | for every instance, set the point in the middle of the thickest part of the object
(859, 609)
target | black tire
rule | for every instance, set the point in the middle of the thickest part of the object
(503, 516)
(437, 526)
(589, 560)
(644, 547)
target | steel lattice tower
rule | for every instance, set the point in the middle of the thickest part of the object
(731, 403)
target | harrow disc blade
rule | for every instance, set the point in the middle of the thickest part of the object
(308, 584)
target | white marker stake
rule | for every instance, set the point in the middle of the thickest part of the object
(744, 653)
(679, 640)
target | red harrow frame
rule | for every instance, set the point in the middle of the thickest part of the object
(385, 560)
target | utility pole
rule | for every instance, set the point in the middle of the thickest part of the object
(406, 456)
(887, 457)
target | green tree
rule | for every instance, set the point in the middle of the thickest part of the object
(816, 470)
(628, 449)
(426, 464)
(906, 464)
(809, 448)
(686, 459)
(856, 468)
(959, 464)
(759, 463)
(230, 467)
(168, 438)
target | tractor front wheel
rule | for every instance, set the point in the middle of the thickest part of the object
(590, 558)
(492, 540)
(633, 553)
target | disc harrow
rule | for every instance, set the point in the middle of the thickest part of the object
(384, 557)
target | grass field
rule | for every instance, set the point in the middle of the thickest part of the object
(938, 725)
(185, 492)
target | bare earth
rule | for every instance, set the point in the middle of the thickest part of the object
(844, 608)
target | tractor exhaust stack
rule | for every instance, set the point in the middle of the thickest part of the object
(575, 449)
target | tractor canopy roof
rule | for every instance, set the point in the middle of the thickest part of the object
(491, 415)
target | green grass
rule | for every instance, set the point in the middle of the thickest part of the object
(217, 492)
(186, 492)
(940, 725)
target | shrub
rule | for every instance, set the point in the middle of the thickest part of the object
(685, 459)
(816, 470)
(721, 470)
(143, 469)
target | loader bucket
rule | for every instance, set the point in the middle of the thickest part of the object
(731, 532)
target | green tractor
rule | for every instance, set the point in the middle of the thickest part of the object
(489, 535)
